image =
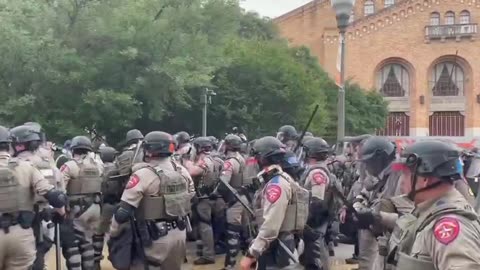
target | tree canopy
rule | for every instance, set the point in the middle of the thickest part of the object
(111, 65)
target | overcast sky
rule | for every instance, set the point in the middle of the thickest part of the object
(272, 8)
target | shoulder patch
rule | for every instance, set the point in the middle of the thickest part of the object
(64, 168)
(446, 230)
(134, 180)
(320, 178)
(227, 166)
(273, 193)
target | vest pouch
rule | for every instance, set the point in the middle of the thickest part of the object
(92, 183)
(153, 208)
(25, 219)
(177, 205)
(8, 191)
(406, 262)
(124, 162)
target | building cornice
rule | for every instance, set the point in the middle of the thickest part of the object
(301, 10)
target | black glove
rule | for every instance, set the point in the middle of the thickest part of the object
(366, 217)
(57, 218)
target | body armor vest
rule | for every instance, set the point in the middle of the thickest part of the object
(13, 197)
(237, 178)
(45, 167)
(297, 210)
(408, 226)
(112, 187)
(89, 180)
(173, 199)
(124, 161)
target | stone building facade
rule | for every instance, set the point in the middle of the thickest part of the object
(422, 55)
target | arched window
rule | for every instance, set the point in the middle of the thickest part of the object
(368, 7)
(389, 3)
(449, 18)
(435, 18)
(393, 80)
(464, 17)
(447, 79)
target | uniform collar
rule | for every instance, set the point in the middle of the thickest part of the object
(451, 195)
(25, 154)
(231, 154)
(160, 161)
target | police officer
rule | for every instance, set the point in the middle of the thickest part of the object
(281, 209)
(83, 181)
(205, 176)
(232, 173)
(183, 145)
(443, 232)
(318, 179)
(378, 154)
(26, 147)
(112, 189)
(20, 182)
(157, 192)
(126, 158)
(287, 135)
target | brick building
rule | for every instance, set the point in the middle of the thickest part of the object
(422, 55)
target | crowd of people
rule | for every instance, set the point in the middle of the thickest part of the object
(279, 202)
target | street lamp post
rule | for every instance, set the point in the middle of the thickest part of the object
(343, 10)
(206, 99)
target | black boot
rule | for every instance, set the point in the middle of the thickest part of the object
(203, 261)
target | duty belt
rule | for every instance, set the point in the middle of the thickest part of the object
(7, 220)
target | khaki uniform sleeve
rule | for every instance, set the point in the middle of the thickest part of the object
(40, 185)
(454, 243)
(230, 167)
(276, 196)
(319, 181)
(138, 186)
(69, 171)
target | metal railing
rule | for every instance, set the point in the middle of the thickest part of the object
(450, 31)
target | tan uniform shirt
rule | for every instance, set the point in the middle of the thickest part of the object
(317, 181)
(28, 175)
(452, 242)
(71, 170)
(274, 200)
(231, 166)
(35, 158)
(144, 182)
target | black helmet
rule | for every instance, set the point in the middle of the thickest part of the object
(5, 136)
(214, 141)
(107, 153)
(133, 135)
(266, 148)
(314, 147)
(433, 158)
(25, 133)
(81, 142)
(182, 137)
(233, 142)
(158, 142)
(203, 144)
(377, 153)
(286, 133)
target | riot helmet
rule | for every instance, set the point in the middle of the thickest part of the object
(81, 144)
(316, 148)
(214, 141)
(232, 143)
(203, 145)
(158, 144)
(107, 153)
(377, 153)
(133, 136)
(308, 134)
(5, 139)
(286, 133)
(268, 151)
(25, 138)
(432, 158)
(182, 137)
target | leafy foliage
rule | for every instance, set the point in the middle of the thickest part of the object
(111, 65)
